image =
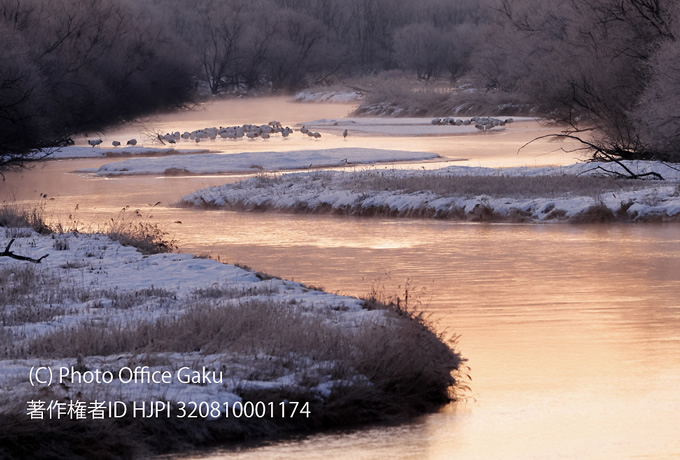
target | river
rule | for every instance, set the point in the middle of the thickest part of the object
(572, 332)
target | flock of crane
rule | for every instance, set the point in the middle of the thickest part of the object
(481, 123)
(274, 127)
(230, 132)
(96, 142)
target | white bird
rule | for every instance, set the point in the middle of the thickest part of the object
(115, 143)
(94, 142)
(132, 142)
(169, 138)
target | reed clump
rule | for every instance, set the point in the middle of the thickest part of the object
(133, 228)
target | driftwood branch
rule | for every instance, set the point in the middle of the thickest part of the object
(8, 253)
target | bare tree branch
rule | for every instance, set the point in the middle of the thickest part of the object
(8, 253)
(608, 156)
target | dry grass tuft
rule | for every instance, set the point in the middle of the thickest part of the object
(132, 228)
(595, 214)
(16, 217)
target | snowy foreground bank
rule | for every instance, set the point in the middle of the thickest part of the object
(209, 163)
(584, 192)
(106, 350)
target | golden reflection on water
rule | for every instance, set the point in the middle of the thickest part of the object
(572, 332)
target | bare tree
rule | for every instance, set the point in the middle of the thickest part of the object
(460, 44)
(296, 51)
(657, 114)
(585, 62)
(21, 110)
(260, 39)
(217, 37)
(75, 65)
(420, 47)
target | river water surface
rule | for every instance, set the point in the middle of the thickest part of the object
(572, 332)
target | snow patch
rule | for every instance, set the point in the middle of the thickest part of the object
(212, 163)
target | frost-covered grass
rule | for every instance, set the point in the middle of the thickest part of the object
(96, 305)
(129, 227)
(577, 193)
(14, 217)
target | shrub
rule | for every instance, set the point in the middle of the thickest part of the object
(136, 230)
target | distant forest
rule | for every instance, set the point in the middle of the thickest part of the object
(69, 66)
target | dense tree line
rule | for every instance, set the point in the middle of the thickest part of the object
(76, 65)
(288, 44)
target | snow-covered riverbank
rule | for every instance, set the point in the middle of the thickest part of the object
(257, 161)
(184, 345)
(573, 193)
(75, 151)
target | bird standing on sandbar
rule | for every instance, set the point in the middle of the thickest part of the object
(344, 134)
